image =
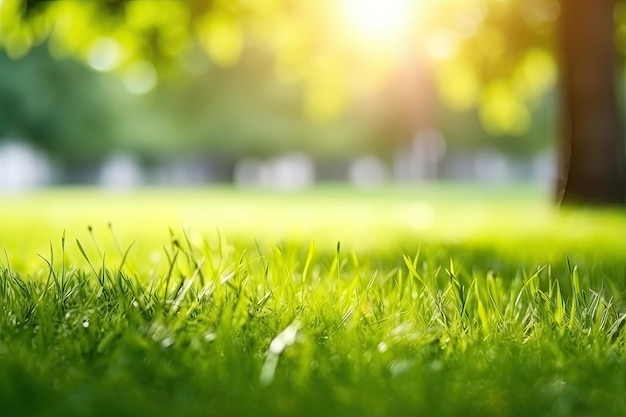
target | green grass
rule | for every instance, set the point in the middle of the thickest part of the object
(427, 301)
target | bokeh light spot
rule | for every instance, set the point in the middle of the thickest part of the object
(378, 20)
(140, 78)
(105, 55)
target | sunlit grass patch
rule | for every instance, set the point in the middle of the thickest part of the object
(233, 303)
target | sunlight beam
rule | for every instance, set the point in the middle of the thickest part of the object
(380, 21)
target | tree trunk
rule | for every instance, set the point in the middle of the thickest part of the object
(592, 157)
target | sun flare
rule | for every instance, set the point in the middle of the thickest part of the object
(378, 20)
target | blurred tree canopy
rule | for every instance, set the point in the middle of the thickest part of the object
(492, 54)
(79, 116)
(496, 59)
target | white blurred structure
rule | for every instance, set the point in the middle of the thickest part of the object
(368, 171)
(182, 171)
(421, 161)
(545, 168)
(288, 172)
(490, 166)
(120, 171)
(22, 166)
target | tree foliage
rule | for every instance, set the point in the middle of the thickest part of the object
(491, 54)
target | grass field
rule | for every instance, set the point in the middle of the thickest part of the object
(442, 301)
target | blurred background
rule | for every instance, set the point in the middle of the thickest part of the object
(279, 94)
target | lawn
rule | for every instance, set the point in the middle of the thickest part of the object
(431, 300)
